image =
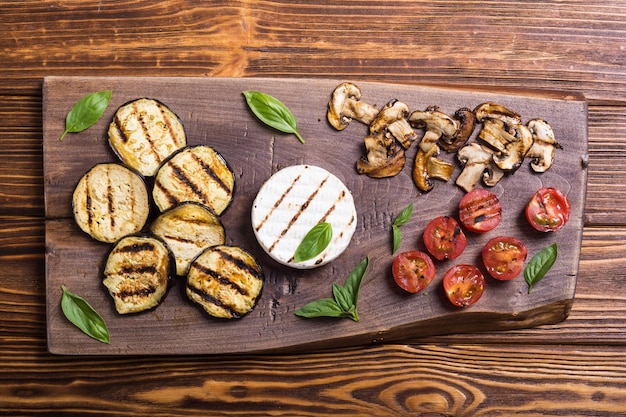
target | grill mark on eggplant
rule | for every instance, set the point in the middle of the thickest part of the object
(110, 202)
(168, 195)
(296, 216)
(278, 202)
(179, 174)
(240, 264)
(136, 248)
(211, 173)
(141, 269)
(210, 299)
(88, 204)
(223, 280)
(117, 123)
(167, 122)
(143, 292)
(146, 131)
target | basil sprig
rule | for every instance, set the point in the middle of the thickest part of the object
(344, 301)
(272, 112)
(539, 265)
(401, 220)
(315, 241)
(82, 315)
(86, 112)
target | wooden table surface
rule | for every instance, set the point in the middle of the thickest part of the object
(573, 368)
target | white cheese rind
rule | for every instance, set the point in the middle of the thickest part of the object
(291, 202)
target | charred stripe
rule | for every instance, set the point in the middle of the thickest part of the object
(143, 292)
(141, 269)
(240, 264)
(210, 299)
(211, 173)
(168, 123)
(216, 276)
(136, 248)
(278, 202)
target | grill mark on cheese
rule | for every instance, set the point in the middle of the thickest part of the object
(296, 216)
(211, 173)
(278, 202)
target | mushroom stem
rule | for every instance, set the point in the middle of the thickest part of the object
(345, 105)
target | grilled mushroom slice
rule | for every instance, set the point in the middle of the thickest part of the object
(478, 163)
(188, 229)
(467, 122)
(346, 105)
(392, 119)
(144, 132)
(495, 111)
(197, 173)
(428, 166)
(110, 201)
(544, 145)
(225, 281)
(137, 272)
(436, 125)
(384, 158)
(511, 143)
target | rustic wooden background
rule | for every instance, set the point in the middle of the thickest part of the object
(574, 368)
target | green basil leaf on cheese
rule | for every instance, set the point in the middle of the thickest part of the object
(272, 112)
(315, 241)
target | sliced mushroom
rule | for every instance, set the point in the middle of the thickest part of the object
(544, 145)
(392, 118)
(491, 110)
(428, 166)
(467, 122)
(384, 158)
(436, 125)
(510, 143)
(478, 163)
(346, 105)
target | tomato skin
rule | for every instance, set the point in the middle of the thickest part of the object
(480, 211)
(444, 238)
(463, 285)
(413, 270)
(504, 257)
(548, 210)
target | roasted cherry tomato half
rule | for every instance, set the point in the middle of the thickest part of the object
(548, 210)
(464, 285)
(480, 211)
(444, 238)
(413, 270)
(504, 257)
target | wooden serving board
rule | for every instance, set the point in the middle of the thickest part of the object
(214, 112)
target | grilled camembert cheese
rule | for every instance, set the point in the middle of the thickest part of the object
(225, 281)
(197, 173)
(188, 229)
(144, 132)
(292, 202)
(136, 273)
(110, 201)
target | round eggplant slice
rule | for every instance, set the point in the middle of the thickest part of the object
(225, 281)
(110, 201)
(199, 174)
(145, 132)
(137, 272)
(188, 229)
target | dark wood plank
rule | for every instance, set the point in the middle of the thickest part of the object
(214, 113)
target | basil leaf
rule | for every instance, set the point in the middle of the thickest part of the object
(400, 220)
(82, 315)
(345, 298)
(404, 216)
(342, 297)
(315, 241)
(272, 112)
(539, 265)
(324, 307)
(86, 112)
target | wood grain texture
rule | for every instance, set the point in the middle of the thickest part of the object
(573, 368)
(214, 113)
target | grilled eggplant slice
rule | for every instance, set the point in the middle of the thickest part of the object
(137, 273)
(110, 201)
(145, 132)
(197, 173)
(225, 281)
(188, 229)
